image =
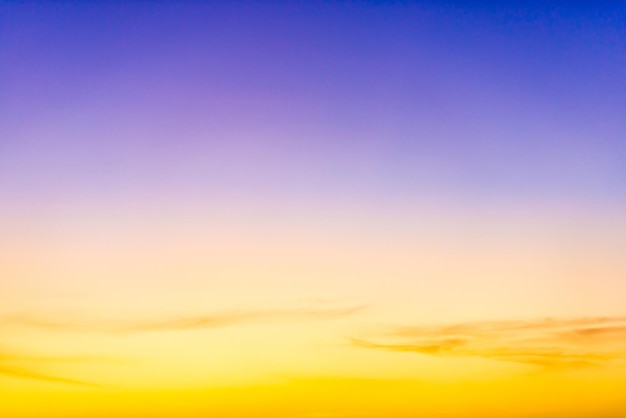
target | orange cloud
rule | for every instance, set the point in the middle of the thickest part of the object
(547, 343)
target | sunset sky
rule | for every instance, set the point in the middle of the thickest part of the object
(312, 209)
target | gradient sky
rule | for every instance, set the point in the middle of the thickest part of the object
(308, 209)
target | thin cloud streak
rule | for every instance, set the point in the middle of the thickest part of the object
(27, 374)
(231, 319)
(599, 332)
(499, 327)
(554, 344)
(9, 370)
(197, 322)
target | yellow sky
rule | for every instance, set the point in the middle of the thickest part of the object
(245, 317)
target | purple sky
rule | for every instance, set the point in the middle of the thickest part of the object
(377, 101)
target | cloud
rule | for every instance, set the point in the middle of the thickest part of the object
(8, 368)
(181, 323)
(26, 367)
(27, 374)
(554, 344)
(432, 347)
(618, 332)
(231, 319)
(486, 328)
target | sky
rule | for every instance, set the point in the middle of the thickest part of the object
(312, 209)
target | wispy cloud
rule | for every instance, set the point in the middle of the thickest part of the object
(547, 343)
(16, 365)
(180, 323)
(236, 318)
(11, 366)
(430, 347)
(595, 333)
(486, 328)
